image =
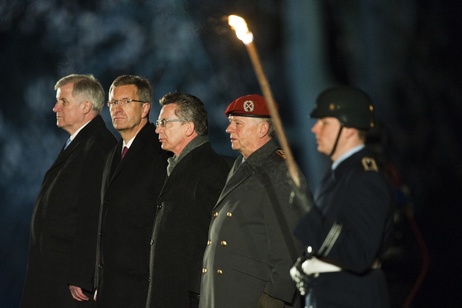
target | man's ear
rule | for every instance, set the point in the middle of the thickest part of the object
(145, 110)
(349, 131)
(87, 106)
(189, 128)
(263, 128)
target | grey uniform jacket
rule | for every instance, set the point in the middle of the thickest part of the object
(246, 254)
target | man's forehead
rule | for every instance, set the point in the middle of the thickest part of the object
(167, 109)
(329, 119)
(123, 90)
(248, 121)
(241, 118)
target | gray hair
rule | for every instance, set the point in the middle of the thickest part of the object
(189, 109)
(86, 87)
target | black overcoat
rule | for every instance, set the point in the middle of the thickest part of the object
(349, 227)
(65, 219)
(184, 210)
(130, 189)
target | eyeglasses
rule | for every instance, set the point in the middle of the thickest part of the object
(163, 122)
(122, 101)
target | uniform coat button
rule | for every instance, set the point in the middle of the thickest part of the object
(204, 270)
(215, 214)
(219, 272)
(229, 214)
(209, 242)
(223, 243)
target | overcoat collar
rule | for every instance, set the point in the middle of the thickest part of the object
(182, 165)
(242, 171)
(88, 130)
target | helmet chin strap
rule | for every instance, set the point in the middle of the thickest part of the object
(336, 141)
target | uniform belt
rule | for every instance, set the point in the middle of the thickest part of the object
(315, 266)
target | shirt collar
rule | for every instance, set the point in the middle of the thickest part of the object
(77, 131)
(346, 155)
(195, 143)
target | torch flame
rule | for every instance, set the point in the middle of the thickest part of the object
(240, 26)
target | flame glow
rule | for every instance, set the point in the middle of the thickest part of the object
(240, 26)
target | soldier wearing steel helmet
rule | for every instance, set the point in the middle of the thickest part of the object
(346, 231)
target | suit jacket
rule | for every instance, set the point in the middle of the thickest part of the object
(130, 190)
(65, 220)
(184, 210)
(349, 227)
(247, 254)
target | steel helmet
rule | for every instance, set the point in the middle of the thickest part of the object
(351, 106)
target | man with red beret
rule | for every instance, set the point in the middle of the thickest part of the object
(250, 247)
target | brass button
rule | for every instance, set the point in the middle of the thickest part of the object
(215, 214)
(219, 272)
(223, 243)
(229, 214)
(204, 270)
(209, 242)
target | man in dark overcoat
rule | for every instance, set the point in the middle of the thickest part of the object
(248, 255)
(132, 179)
(65, 218)
(346, 232)
(196, 176)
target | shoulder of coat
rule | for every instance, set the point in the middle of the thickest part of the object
(369, 164)
(280, 153)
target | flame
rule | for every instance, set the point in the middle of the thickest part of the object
(240, 26)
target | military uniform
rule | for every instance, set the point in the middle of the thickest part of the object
(247, 254)
(348, 228)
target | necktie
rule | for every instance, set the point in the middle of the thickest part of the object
(124, 151)
(237, 164)
(68, 141)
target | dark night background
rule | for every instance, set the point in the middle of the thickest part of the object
(405, 54)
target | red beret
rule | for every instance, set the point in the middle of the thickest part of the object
(252, 105)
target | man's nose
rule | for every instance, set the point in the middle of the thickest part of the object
(55, 107)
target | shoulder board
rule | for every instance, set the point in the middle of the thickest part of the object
(280, 153)
(369, 164)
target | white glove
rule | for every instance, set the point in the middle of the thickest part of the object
(299, 277)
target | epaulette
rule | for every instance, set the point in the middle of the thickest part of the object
(280, 153)
(369, 164)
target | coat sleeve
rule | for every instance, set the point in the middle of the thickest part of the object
(351, 237)
(83, 254)
(281, 217)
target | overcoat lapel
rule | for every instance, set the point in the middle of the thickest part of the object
(118, 164)
(65, 153)
(178, 170)
(243, 172)
(246, 169)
